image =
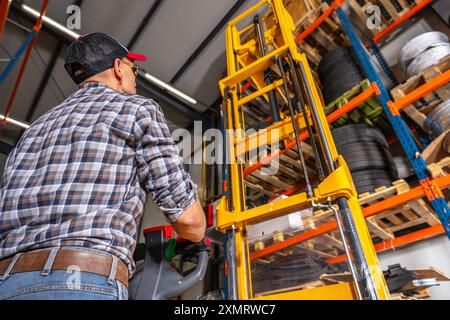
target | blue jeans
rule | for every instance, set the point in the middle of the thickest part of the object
(61, 285)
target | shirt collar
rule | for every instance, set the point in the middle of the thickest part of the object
(94, 84)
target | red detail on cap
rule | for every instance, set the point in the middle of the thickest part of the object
(136, 56)
(167, 231)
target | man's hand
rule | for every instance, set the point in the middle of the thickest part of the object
(189, 250)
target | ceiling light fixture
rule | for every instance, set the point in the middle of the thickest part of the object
(15, 122)
(171, 89)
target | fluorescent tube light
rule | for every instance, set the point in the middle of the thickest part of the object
(15, 122)
(171, 89)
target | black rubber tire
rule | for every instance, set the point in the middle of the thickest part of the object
(335, 75)
(342, 79)
(370, 175)
(369, 159)
(372, 146)
(370, 188)
(344, 62)
(368, 155)
(340, 51)
(326, 65)
(438, 119)
(336, 88)
(331, 57)
(358, 133)
(338, 73)
(373, 182)
(369, 180)
(332, 93)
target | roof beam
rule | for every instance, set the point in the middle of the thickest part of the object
(5, 148)
(144, 23)
(207, 40)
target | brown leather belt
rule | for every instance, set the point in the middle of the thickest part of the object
(85, 261)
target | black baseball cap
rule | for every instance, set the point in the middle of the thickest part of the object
(94, 53)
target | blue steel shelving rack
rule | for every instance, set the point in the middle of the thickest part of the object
(433, 193)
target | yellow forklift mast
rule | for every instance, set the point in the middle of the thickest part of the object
(264, 53)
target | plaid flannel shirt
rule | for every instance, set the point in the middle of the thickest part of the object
(79, 175)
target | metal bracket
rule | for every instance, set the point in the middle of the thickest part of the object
(393, 109)
(432, 190)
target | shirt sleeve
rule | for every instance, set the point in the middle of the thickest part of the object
(7, 172)
(159, 166)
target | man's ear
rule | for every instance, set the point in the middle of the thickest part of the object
(117, 71)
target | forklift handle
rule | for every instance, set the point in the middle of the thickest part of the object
(187, 282)
(159, 280)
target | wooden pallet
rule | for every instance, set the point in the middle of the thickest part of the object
(440, 169)
(289, 174)
(437, 96)
(391, 10)
(436, 152)
(385, 224)
(326, 37)
(325, 246)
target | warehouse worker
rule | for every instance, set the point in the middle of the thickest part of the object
(74, 187)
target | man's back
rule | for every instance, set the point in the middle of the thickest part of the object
(74, 187)
(78, 176)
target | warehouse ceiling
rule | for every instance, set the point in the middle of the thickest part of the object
(168, 31)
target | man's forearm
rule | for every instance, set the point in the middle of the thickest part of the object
(191, 225)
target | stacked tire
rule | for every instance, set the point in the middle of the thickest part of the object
(367, 154)
(338, 73)
(438, 120)
(423, 51)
